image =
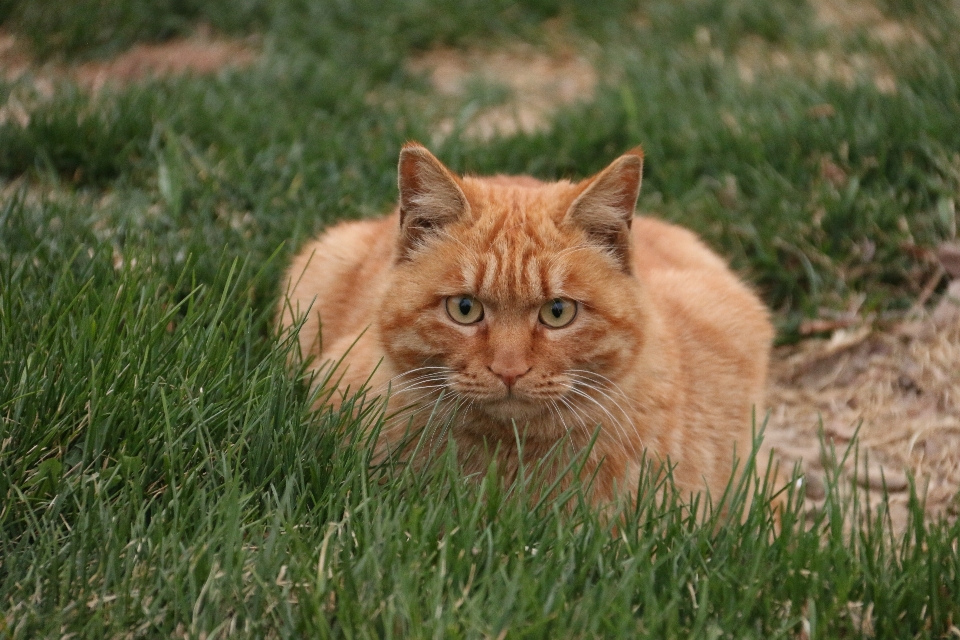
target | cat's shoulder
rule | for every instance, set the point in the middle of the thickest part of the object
(696, 284)
(366, 231)
(344, 255)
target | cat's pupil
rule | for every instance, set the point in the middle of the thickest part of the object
(465, 306)
(557, 309)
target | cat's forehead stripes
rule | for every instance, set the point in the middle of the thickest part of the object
(513, 278)
(488, 275)
(515, 270)
(515, 242)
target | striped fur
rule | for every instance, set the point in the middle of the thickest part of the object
(667, 353)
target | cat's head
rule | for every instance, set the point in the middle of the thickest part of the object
(515, 295)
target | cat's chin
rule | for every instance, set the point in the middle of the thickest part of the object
(513, 409)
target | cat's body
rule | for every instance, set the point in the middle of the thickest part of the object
(540, 309)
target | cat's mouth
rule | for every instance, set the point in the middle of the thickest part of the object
(512, 408)
(505, 405)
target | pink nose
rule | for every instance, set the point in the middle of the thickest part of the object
(508, 374)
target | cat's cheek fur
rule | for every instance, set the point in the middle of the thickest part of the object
(607, 338)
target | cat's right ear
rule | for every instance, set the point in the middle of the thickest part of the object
(605, 208)
(430, 197)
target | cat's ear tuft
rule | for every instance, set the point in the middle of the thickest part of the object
(430, 197)
(605, 208)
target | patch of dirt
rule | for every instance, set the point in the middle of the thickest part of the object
(895, 392)
(756, 58)
(841, 18)
(851, 15)
(197, 56)
(14, 59)
(200, 54)
(36, 83)
(535, 84)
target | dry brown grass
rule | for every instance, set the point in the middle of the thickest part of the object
(897, 389)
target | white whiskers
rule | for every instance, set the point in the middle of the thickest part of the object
(425, 398)
(419, 390)
(591, 390)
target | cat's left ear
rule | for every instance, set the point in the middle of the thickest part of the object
(604, 210)
(430, 197)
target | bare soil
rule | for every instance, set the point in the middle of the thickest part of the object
(536, 82)
(756, 58)
(200, 54)
(893, 394)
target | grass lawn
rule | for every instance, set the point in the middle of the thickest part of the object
(161, 472)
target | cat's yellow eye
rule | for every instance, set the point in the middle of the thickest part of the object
(558, 312)
(464, 309)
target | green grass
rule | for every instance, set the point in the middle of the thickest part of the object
(161, 473)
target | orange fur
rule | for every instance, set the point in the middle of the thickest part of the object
(667, 352)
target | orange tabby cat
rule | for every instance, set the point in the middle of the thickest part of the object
(516, 306)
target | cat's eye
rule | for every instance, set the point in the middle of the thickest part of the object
(464, 309)
(558, 312)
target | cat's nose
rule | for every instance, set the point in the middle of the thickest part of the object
(509, 374)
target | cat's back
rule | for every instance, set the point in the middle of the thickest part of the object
(716, 336)
(718, 321)
(335, 282)
(659, 246)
